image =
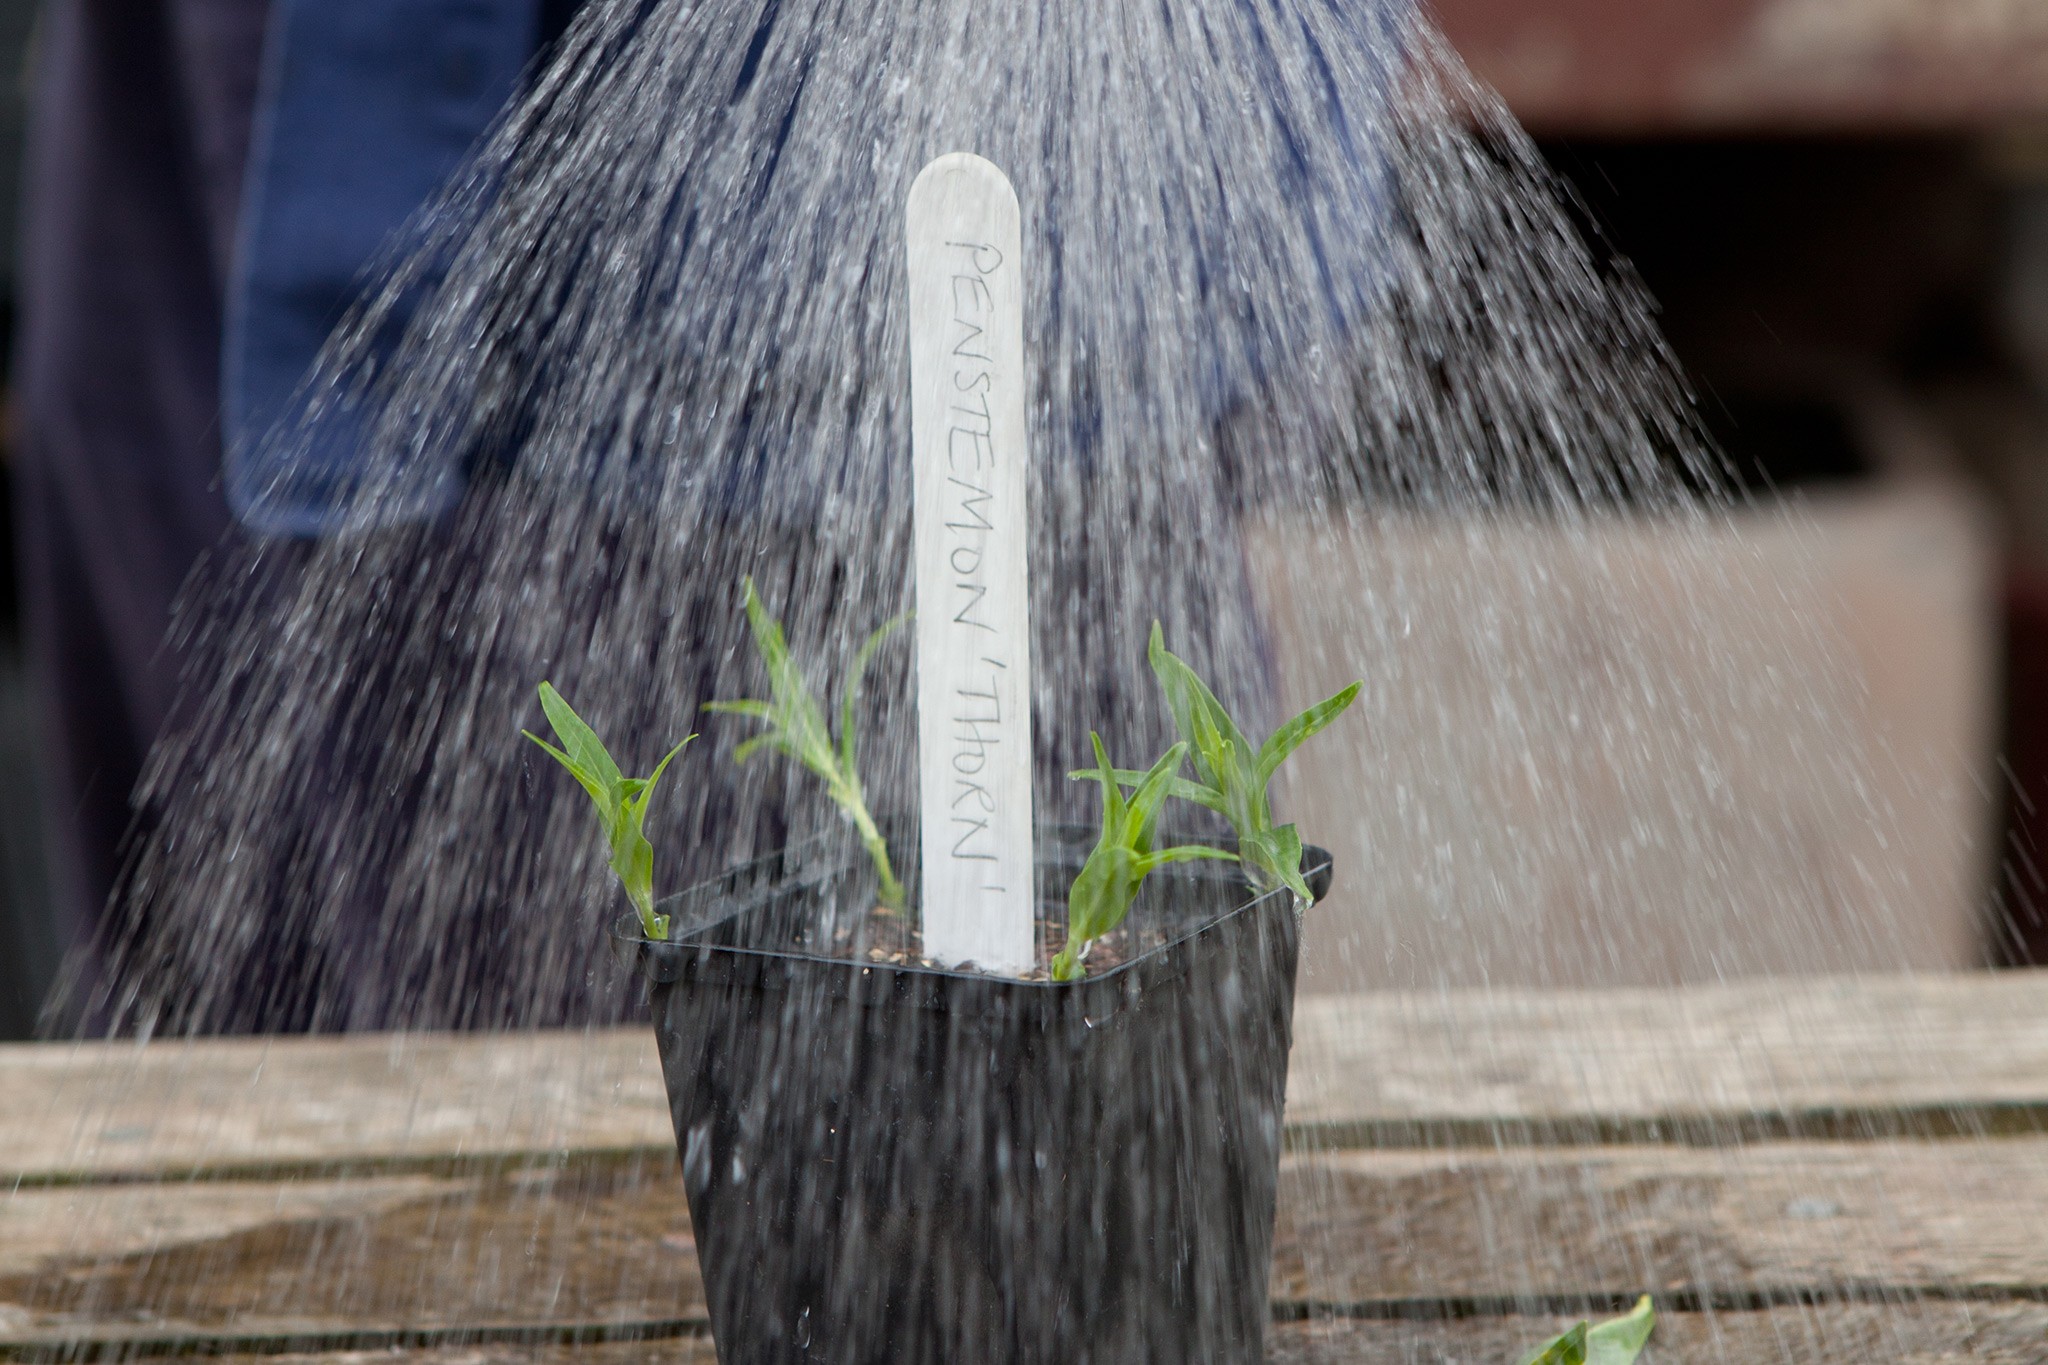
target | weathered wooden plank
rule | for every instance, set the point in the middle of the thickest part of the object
(69, 1224)
(1735, 1225)
(1817, 1055)
(604, 1246)
(1901, 1334)
(1897, 1334)
(257, 1105)
(1783, 1057)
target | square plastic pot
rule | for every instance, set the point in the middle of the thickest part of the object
(891, 1165)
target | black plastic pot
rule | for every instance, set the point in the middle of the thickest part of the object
(897, 1165)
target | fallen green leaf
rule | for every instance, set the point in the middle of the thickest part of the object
(1569, 1349)
(1618, 1341)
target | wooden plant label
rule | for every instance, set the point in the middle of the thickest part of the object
(971, 533)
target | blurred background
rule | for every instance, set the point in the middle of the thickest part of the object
(29, 947)
(1842, 207)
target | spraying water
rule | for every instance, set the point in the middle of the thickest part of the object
(1296, 288)
(1285, 258)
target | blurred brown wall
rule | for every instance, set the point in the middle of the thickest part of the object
(1659, 67)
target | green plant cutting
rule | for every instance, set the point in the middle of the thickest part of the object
(1103, 891)
(1618, 1341)
(1231, 779)
(1231, 775)
(621, 801)
(797, 729)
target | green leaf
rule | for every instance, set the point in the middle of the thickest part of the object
(1114, 807)
(1186, 853)
(598, 791)
(637, 792)
(797, 728)
(621, 801)
(793, 711)
(1291, 736)
(1233, 776)
(1179, 788)
(1188, 697)
(666, 759)
(753, 710)
(1103, 891)
(633, 861)
(1213, 745)
(587, 752)
(1150, 797)
(749, 747)
(1618, 1341)
(1569, 1349)
(1275, 857)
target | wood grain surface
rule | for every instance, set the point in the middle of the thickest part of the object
(603, 1246)
(1914, 1333)
(1736, 1226)
(1795, 1057)
(102, 1110)
(1468, 1169)
(1837, 1056)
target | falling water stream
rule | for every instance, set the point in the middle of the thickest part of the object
(1328, 376)
(1289, 273)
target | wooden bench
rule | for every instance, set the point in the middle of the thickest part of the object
(1849, 1170)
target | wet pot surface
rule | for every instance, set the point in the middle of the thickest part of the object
(901, 1164)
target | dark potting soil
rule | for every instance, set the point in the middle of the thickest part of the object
(889, 937)
(819, 902)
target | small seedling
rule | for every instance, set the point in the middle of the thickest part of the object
(621, 801)
(1108, 882)
(1618, 1341)
(1231, 775)
(797, 730)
